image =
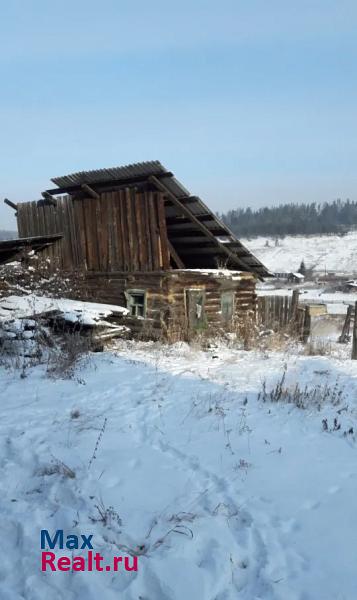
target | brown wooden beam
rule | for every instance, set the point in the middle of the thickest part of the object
(200, 225)
(175, 256)
(92, 193)
(49, 198)
(11, 204)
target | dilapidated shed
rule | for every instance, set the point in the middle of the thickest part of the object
(137, 236)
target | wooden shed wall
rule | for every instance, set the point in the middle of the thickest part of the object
(121, 230)
(244, 298)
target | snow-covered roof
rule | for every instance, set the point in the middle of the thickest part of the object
(235, 275)
(86, 313)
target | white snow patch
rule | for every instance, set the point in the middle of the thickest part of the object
(223, 496)
(75, 310)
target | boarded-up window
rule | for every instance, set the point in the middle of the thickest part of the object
(227, 306)
(195, 307)
(136, 302)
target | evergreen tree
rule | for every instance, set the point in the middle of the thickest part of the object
(335, 217)
(302, 268)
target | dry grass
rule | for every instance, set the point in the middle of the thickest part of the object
(302, 397)
(63, 358)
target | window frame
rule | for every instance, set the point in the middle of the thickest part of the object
(197, 322)
(130, 295)
(226, 317)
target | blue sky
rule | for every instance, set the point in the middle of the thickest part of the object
(247, 102)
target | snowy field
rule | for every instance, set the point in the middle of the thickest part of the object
(328, 252)
(222, 495)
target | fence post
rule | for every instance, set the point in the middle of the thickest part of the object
(354, 339)
(294, 311)
(346, 326)
(306, 324)
(294, 304)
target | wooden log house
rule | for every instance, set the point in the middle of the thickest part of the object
(138, 238)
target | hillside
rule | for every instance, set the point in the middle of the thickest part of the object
(321, 253)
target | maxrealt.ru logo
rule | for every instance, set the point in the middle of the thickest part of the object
(88, 560)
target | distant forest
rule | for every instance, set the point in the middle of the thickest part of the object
(294, 219)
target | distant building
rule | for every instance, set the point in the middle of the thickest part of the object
(350, 286)
(291, 277)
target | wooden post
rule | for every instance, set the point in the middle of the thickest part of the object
(307, 325)
(343, 339)
(354, 339)
(294, 312)
(294, 304)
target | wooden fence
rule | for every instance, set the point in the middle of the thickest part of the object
(351, 319)
(283, 313)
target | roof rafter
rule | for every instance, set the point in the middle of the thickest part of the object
(186, 211)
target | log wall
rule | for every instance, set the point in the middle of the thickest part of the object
(181, 281)
(166, 314)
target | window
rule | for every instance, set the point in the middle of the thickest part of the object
(227, 305)
(136, 302)
(195, 307)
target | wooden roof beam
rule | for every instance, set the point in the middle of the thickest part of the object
(175, 256)
(200, 225)
(11, 204)
(49, 198)
(92, 193)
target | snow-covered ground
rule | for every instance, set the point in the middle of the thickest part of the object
(222, 496)
(331, 253)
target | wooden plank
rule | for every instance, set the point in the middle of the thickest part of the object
(104, 231)
(73, 232)
(66, 241)
(85, 203)
(117, 251)
(153, 233)
(294, 304)
(80, 222)
(146, 221)
(100, 232)
(159, 201)
(346, 326)
(141, 242)
(134, 230)
(354, 335)
(179, 263)
(21, 223)
(123, 230)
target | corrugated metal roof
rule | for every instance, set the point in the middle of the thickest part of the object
(153, 167)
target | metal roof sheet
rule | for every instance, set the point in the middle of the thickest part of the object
(153, 167)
